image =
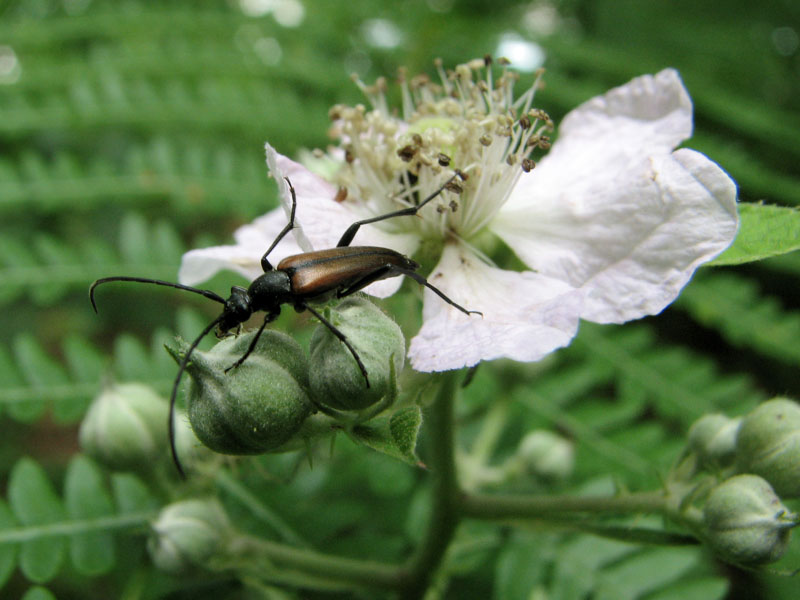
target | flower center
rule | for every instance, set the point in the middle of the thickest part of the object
(469, 121)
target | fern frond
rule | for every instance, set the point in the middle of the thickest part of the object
(575, 567)
(37, 526)
(47, 267)
(679, 383)
(192, 175)
(734, 306)
(34, 380)
(631, 399)
(217, 106)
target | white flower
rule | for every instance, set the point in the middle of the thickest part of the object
(612, 221)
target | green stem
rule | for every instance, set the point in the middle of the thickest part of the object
(27, 533)
(258, 508)
(500, 507)
(412, 579)
(491, 429)
(355, 571)
(445, 515)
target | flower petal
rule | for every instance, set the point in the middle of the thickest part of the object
(647, 115)
(525, 315)
(244, 257)
(632, 237)
(604, 137)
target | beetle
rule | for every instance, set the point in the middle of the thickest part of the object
(299, 280)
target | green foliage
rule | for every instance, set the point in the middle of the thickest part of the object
(179, 171)
(648, 379)
(131, 132)
(36, 382)
(39, 529)
(765, 231)
(575, 567)
(395, 435)
(734, 306)
(48, 268)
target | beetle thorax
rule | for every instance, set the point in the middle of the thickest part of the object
(270, 290)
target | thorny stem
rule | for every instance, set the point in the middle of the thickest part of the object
(325, 566)
(499, 507)
(449, 505)
(445, 514)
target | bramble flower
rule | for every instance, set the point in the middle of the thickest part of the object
(611, 223)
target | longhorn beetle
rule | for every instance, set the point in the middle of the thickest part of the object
(298, 280)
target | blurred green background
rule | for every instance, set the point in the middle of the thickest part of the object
(132, 131)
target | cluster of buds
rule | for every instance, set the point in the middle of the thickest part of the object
(260, 405)
(757, 459)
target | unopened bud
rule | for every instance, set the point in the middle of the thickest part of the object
(746, 522)
(713, 438)
(546, 455)
(769, 445)
(255, 407)
(188, 534)
(336, 379)
(126, 427)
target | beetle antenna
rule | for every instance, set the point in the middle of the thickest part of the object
(174, 395)
(207, 293)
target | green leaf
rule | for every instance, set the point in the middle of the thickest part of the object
(40, 371)
(86, 497)
(131, 495)
(8, 552)
(764, 231)
(395, 436)
(404, 427)
(35, 503)
(734, 306)
(705, 588)
(521, 566)
(645, 572)
(38, 593)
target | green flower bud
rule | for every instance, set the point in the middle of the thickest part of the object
(546, 455)
(746, 522)
(188, 533)
(126, 427)
(191, 451)
(336, 380)
(255, 407)
(769, 445)
(713, 439)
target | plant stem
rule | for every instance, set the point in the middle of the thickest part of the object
(498, 507)
(359, 572)
(492, 427)
(445, 513)
(258, 508)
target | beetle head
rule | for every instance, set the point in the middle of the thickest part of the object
(238, 308)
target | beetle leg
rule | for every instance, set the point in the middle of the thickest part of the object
(265, 264)
(422, 281)
(343, 339)
(391, 270)
(268, 318)
(403, 212)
